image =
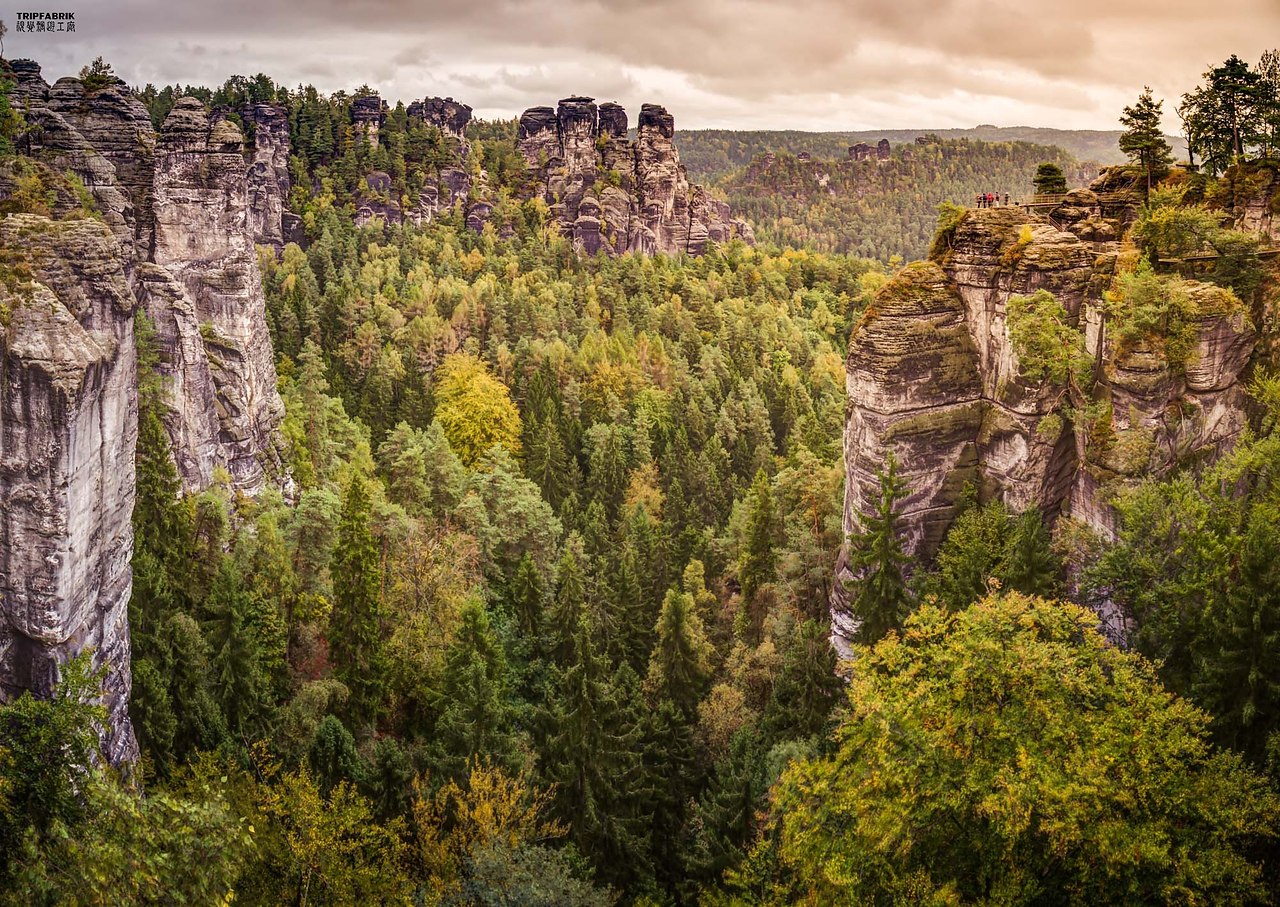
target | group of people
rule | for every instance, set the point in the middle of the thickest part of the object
(991, 199)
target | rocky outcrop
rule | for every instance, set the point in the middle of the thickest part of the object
(68, 427)
(935, 378)
(49, 138)
(446, 114)
(1257, 199)
(995, 254)
(203, 240)
(116, 125)
(612, 195)
(268, 178)
(30, 89)
(367, 114)
(914, 391)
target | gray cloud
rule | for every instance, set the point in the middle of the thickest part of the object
(815, 64)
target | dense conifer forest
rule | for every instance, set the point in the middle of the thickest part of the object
(542, 615)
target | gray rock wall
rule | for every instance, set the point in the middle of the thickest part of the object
(68, 428)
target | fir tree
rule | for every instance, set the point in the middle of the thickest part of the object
(476, 721)
(758, 563)
(879, 598)
(355, 634)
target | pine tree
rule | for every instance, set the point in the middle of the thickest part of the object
(355, 634)
(1143, 139)
(1049, 180)
(879, 590)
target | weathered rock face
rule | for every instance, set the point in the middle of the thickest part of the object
(996, 254)
(51, 139)
(612, 195)
(445, 114)
(268, 173)
(914, 390)
(30, 88)
(203, 240)
(1257, 207)
(366, 115)
(934, 376)
(116, 124)
(68, 427)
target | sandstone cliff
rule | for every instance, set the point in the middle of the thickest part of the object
(614, 195)
(935, 376)
(190, 204)
(68, 426)
(211, 320)
(268, 180)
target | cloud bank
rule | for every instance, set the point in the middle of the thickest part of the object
(750, 64)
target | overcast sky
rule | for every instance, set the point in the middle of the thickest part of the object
(752, 64)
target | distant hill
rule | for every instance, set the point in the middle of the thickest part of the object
(713, 153)
(881, 208)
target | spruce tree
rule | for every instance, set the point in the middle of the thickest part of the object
(725, 813)
(680, 664)
(757, 563)
(355, 634)
(526, 592)
(477, 717)
(592, 755)
(568, 606)
(1143, 139)
(333, 756)
(1030, 564)
(807, 688)
(879, 598)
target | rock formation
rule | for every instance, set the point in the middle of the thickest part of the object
(116, 124)
(367, 114)
(934, 377)
(68, 426)
(268, 173)
(190, 259)
(613, 195)
(203, 241)
(446, 114)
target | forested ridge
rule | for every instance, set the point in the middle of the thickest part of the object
(540, 616)
(881, 209)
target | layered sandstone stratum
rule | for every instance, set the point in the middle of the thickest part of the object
(174, 236)
(934, 377)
